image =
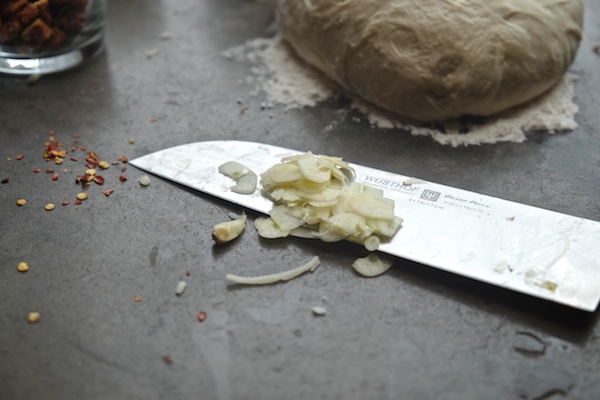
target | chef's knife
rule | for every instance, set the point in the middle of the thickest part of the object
(530, 250)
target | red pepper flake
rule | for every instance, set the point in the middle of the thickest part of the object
(49, 171)
(77, 202)
(65, 203)
(202, 316)
(123, 159)
(168, 359)
(99, 179)
(108, 192)
(152, 120)
(187, 273)
(123, 169)
(76, 136)
(137, 299)
(122, 178)
(83, 148)
(35, 171)
(55, 177)
(73, 159)
(20, 156)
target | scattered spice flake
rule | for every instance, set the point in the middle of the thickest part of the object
(152, 120)
(202, 316)
(115, 163)
(92, 159)
(108, 192)
(23, 267)
(597, 49)
(8, 158)
(137, 299)
(65, 170)
(99, 179)
(132, 141)
(55, 177)
(58, 160)
(83, 148)
(49, 207)
(73, 159)
(33, 317)
(65, 203)
(90, 172)
(20, 157)
(5, 180)
(168, 359)
(77, 202)
(82, 196)
(123, 159)
(49, 171)
(53, 149)
(122, 178)
(103, 164)
(76, 136)
(21, 202)
(150, 54)
(187, 273)
(123, 169)
(35, 171)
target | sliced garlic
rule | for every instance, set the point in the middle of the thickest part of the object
(246, 180)
(278, 277)
(227, 231)
(371, 266)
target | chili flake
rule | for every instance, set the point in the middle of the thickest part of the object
(49, 207)
(123, 159)
(77, 202)
(73, 159)
(99, 179)
(202, 316)
(21, 202)
(108, 192)
(35, 171)
(122, 178)
(55, 177)
(33, 317)
(23, 267)
(20, 157)
(167, 358)
(49, 171)
(65, 203)
(137, 299)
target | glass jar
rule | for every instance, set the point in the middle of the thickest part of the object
(45, 36)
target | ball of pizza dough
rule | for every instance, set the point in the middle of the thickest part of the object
(437, 59)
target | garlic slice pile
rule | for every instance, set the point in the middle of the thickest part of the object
(316, 199)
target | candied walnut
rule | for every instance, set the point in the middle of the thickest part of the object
(40, 25)
(38, 32)
(28, 14)
(10, 31)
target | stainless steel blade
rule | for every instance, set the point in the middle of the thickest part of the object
(526, 249)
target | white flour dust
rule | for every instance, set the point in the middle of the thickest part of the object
(285, 80)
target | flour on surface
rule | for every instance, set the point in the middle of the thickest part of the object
(284, 79)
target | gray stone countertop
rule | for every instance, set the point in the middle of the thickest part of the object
(414, 333)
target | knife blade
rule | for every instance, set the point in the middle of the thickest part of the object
(526, 249)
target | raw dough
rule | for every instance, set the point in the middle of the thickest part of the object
(437, 59)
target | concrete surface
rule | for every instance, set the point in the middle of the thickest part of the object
(415, 333)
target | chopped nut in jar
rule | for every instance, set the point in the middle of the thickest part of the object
(42, 25)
